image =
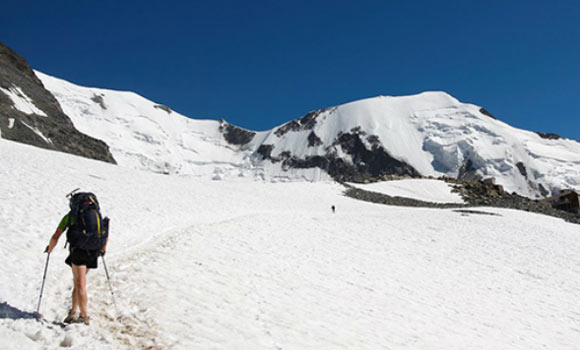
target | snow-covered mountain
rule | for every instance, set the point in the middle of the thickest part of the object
(429, 134)
(434, 134)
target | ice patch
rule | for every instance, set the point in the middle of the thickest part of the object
(37, 132)
(22, 102)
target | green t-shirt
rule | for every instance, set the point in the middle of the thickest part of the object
(64, 222)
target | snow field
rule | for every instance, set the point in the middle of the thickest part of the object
(427, 190)
(143, 136)
(256, 265)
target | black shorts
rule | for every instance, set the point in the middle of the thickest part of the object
(84, 257)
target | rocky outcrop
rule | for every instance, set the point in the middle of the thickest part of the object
(266, 152)
(467, 171)
(379, 198)
(314, 140)
(487, 193)
(163, 108)
(235, 135)
(368, 160)
(306, 122)
(373, 162)
(98, 99)
(476, 193)
(522, 168)
(485, 111)
(549, 135)
(43, 123)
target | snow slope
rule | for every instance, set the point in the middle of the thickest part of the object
(437, 135)
(200, 264)
(144, 135)
(435, 191)
(432, 132)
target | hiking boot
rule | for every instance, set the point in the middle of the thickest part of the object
(70, 318)
(83, 320)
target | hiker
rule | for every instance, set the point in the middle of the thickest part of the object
(333, 208)
(87, 235)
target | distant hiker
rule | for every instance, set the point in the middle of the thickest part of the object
(87, 235)
(333, 208)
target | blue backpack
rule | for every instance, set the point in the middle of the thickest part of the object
(87, 229)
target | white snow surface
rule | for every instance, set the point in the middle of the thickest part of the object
(143, 135)
(201, 264)
(435, 133)
(21, 101)
(431, 131)
(427, 190)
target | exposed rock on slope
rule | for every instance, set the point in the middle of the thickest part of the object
(30, 114)
(235, 135)
(361, 164)
(476, 193)
(429, 134)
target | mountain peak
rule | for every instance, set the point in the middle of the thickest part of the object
(426, 134)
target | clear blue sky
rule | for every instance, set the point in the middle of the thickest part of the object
(261, 63)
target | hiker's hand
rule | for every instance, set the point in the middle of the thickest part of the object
(46, 249)
(102, 252)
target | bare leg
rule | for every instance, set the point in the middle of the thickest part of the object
(75, 302)
(80, 288)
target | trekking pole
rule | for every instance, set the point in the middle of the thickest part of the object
(43, 279)
(110, 287)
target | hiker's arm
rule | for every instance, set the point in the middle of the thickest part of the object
(62, 226)
(54, 240)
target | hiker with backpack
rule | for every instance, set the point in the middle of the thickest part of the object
(87, 236)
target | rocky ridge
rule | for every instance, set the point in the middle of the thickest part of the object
(44, 124)
(476, 193)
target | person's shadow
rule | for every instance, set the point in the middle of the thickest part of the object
(8, 311)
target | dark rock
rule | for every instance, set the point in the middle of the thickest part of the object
(235, 135)
(306, 122)
(484, 111)
(373, 140)
(285, 155)
(366, 163)
(475, 193)
(549, 136)
(478, 193)
(99, 100)
(265, 151)
(543, 191)
(314, 140)
(57, 129)
(164, 108)
(380, 198)
(305, 163)
(478, 212)
(522, 169)
(373, 163)
(467, 171)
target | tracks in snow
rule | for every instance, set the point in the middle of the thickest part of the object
(130, 271)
